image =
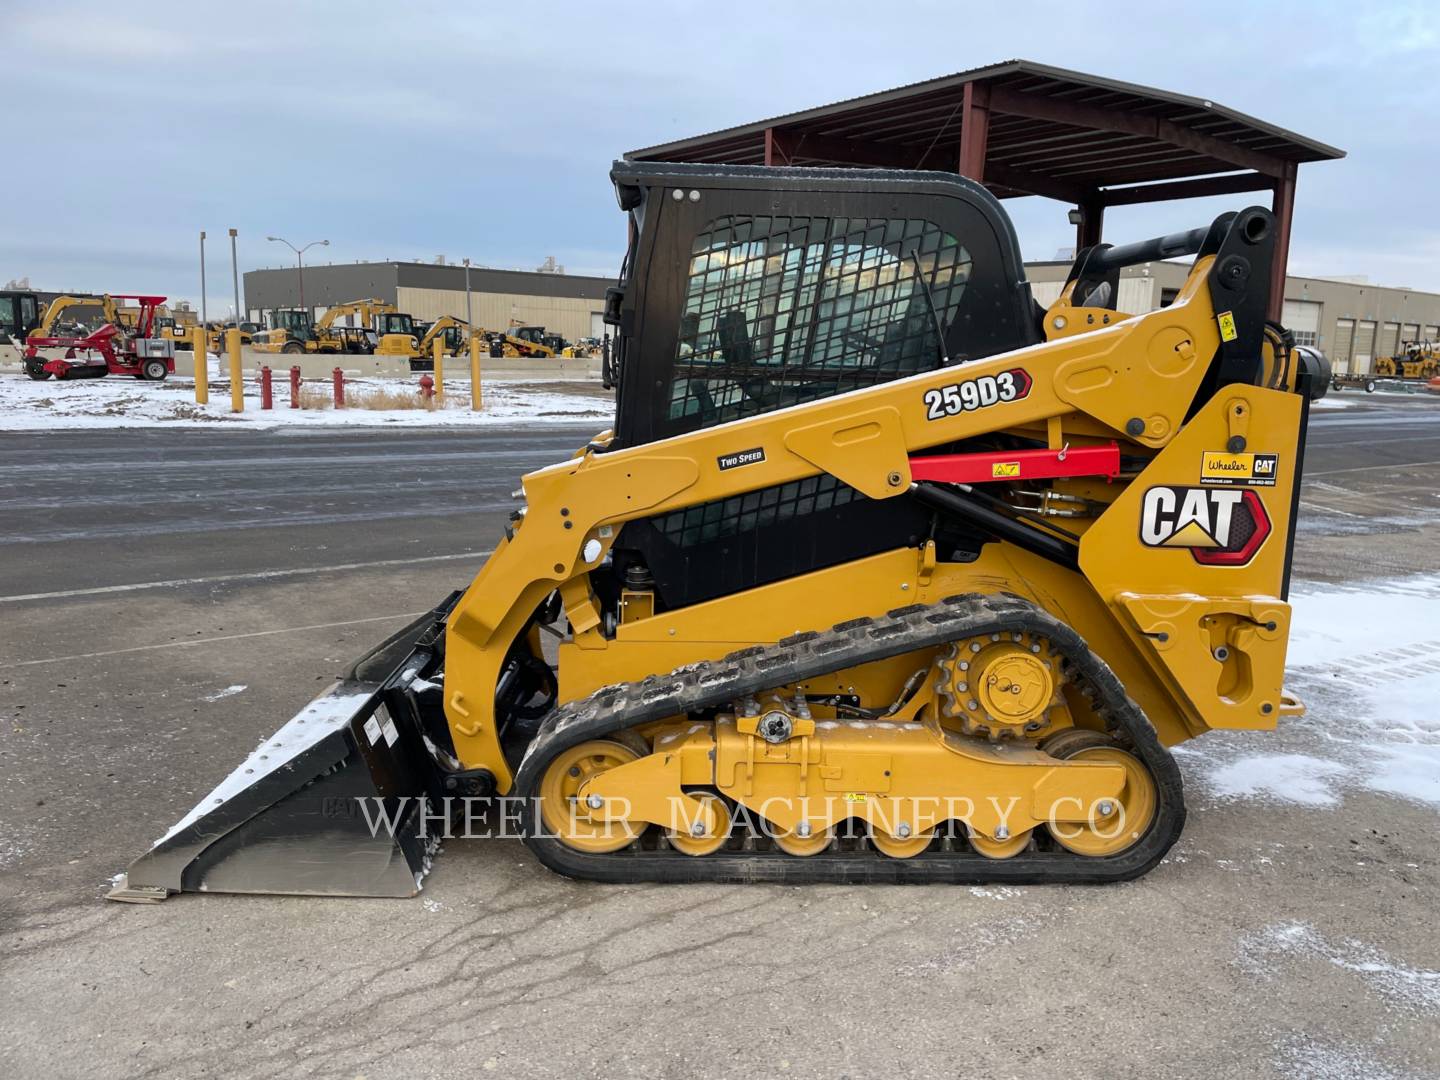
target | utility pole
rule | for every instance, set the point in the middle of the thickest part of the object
(202, 280)
(235, 275)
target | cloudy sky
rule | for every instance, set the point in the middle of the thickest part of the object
(410, 130)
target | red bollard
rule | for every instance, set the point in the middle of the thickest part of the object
(267, 389)
(339, 377)
(427, 387)
(295, 387)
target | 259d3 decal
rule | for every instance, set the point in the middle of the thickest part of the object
(977, 393)
(1218, 526)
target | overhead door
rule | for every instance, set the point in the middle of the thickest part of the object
(1389, 343)
(1343, 348)
(597, 324)
(1137, 295)
(1432, 333)
(1302, 318)
(1410, 332)
(1364, 348)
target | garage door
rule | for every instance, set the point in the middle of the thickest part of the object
(1364, 348)
(1343, 347)
(1432, 333)
(1389, 343)
(1302, 318)
(1410, 331)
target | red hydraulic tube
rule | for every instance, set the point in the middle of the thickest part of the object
(998, 466)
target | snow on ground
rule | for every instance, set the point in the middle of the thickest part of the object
(27, 405)
(1405, 988)
(1365, 658)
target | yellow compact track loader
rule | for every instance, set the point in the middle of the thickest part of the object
(883, 574)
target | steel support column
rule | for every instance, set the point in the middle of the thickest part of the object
(1092, 224)
(779, 147)
(1283, 205)
(974, 130)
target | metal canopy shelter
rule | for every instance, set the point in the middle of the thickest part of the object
(1022, 128)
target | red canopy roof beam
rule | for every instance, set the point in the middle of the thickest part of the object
(1283, 204)
(974, 130)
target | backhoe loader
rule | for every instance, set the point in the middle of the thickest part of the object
(883, 573)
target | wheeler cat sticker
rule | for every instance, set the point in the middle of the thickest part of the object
(977, 393)
(1252, 470)
(1218, 526)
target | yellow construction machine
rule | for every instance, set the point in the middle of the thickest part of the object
(293, 331)
(455, 334)
(519, 341)
(1415, 360)
(882, 574)
(63, 312)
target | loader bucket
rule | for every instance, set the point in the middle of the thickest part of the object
(335, 803)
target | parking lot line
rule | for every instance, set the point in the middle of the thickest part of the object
(211, 640)
(219, 579)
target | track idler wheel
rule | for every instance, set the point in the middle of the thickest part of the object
(703, 844)
(1110, 829)
(563, 813)
(793, 843)
(1007, 848)
(900, 847)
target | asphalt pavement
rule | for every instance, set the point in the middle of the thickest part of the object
(168, 597)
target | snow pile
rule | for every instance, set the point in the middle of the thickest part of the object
(27, 405)
(1366, 660)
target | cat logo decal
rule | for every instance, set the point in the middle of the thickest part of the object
(1218, 526)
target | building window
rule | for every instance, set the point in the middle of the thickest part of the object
(1306, 337)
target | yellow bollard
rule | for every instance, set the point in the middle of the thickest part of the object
(475, 372)
(439, 353)
(202, 365)
(237, 382)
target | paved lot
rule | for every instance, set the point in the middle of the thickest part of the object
(1276, 941)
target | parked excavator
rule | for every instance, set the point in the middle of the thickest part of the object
(882, 574)
(453, 332)
(293, 331)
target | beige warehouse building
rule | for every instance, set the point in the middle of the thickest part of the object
(567, 304)
(1350, 320)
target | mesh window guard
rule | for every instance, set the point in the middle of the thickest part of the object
(781, 310)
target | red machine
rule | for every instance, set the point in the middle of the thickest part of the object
(112, 349)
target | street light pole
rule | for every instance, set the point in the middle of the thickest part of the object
(468, 320)
(299, 259)
(202, 280)
(235, 276)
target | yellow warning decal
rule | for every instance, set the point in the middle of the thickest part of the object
(1004, 468)
(855, 796)
(1226, 319)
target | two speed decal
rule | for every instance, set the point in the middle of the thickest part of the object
(978, 393)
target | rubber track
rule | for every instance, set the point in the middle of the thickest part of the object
(814, 653)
